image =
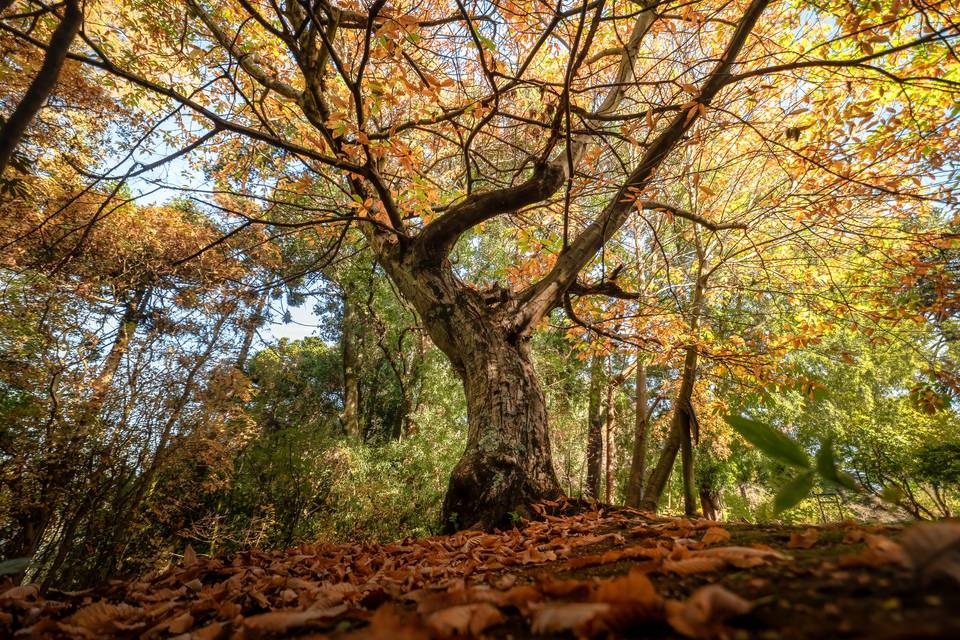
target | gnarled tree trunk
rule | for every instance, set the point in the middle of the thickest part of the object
(507, 463)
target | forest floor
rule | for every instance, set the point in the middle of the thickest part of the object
(599, 573)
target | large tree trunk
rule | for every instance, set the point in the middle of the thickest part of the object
(594, 429)
(641, 438)
(507, 463)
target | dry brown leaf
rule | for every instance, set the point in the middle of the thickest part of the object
(803, 540)
(388, 622)
(933, 550)
(189, 556)
(686, 566)
(635, 588)
(615, 555)
(285, 619)
(554, 617)
(213, 631)
(102, 617)
(715, 535)
(702, 615)
(741, 557)
(170, 627)
(26, 592)
(464, 619)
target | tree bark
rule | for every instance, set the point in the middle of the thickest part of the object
(641, 437)
(594, 429)
(709, 502)
(610, 442)
(250, 331)
(686, 461)
(351, 370)
(507, 463)
(43, 84)
(680, 421)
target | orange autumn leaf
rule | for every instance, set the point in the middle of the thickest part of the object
(693, 565)
(803, 540)
(703, 613)
(555, 617)
(470, 619)
(715, 535)
(283, 620)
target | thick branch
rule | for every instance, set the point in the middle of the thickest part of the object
(43, 84)
(438, 238)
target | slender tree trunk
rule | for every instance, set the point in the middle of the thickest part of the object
(250, 331)
(594, 429)
(610, 442)
(43, 84)
(686, 460)
(351, 370)
(680, 421)
(641, 436)
(709, 502)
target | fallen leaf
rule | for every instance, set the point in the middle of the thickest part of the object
(464, 619)
(283, 620)
(189, 556)
(803, 540)
(102, 617)
(703, 613)
(933, 550)
(715, 535)
(740, 557)
(688, 566)
(565, 616)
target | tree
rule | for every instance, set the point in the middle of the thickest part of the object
(427, 126)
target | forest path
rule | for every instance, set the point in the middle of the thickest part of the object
(598, 573)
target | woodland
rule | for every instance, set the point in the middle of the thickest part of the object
(452, 318)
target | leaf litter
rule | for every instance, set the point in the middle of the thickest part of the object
(592, 574)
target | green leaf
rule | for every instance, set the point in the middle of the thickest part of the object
(13, 565)
(487, 43)
(827, 467)
(772, 442)
(795, 490)
(892, 494)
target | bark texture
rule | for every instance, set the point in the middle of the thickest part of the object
(351, 370)
(594, 430)
(43, 84)
(641, 437)
(507, 463)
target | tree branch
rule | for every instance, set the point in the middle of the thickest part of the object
(43, 84)
(544, 295)
(438, 238)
